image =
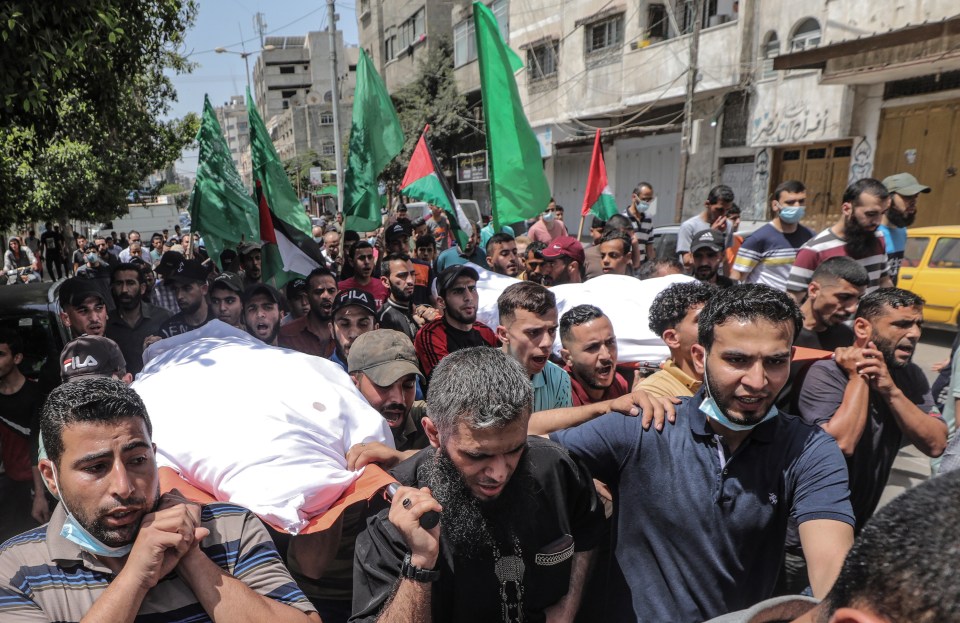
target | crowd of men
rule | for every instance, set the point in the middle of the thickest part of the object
(735, 481)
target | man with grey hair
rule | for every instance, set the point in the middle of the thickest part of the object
(518, 517)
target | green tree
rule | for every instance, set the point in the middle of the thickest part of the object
(84, 96)
(431, 98)
(298, 169)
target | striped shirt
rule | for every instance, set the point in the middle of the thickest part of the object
(437, 339)
(44, 577)
(642, 231)
(767, 254)
(827, 244)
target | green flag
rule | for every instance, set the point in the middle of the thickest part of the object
(375, 139)
(220, 207)
(285, 229)
(518, 186)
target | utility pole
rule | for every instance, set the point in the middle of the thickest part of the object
(260, 26)
(335, 100)
(688, 105)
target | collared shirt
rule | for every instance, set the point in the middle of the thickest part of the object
(618, 388)
(551, 388)
(296, 335)
(44, 577)
(562, 516)
(700, 530)
(130, 339)
(670, 381)
(165, 296)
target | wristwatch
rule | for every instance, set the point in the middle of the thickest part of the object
(408, 570)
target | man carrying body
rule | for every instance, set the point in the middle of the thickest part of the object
(533, 263)
(563, 262)
(189, 282)
(833, 294)
(518, 521)
(712, 541)
(21, 487)
(361, 256)
(458, 328)
(353, 315)
(252, 262)
(115, 549)
(904, 191)
(767, 255)
(590, 353)
(133, 319)
(713, 216)
(707, 252)
(84, 307)
(502, 255)
(855, 235)
(262, 313)
(640, 201)
(313, 334)
(673, 316)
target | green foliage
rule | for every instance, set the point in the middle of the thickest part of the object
(431, 98)
(298, 169)
(83, 99)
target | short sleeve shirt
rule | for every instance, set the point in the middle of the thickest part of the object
(551, 388)
(374, 288)
(687, 230)
(767, 254)
(642, 231)
(700, 532)
(827, 244)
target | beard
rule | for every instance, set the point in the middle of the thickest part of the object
(889, 350)
(399, 295)
(456, 315)
(860, 241)
(900, 219)
(724, 405)
(115, 537)
(475, 528)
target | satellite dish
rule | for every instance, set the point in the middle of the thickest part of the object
(313, 98)
(296, 100)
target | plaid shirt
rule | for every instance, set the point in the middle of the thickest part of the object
(165, 297)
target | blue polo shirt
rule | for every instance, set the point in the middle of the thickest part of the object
(699, 532)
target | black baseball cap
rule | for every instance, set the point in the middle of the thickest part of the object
(91, 355)
(707, 239)
(451, 274)
(261, 288)
(169, 262)
(228, 280)
(296, 286)
(354, 296)
(397, 230)
(188, 271)
(76, 290)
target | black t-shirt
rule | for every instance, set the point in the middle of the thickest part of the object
(562, 505)
(177, 324)
(19, 419)
(832, 338)
(51, 242)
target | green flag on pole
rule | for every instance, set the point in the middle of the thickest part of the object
(518, 186)
(220, 207)
(375, 139)
(285, 229)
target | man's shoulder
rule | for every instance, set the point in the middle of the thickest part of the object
(294, 327)
(17, 546)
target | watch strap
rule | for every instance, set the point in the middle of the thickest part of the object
(417, 574)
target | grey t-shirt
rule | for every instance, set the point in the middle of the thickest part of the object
(688, 228)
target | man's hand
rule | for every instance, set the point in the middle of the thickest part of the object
(165, 537)
(362, 454)
(720, 224)
(408, 506)
(849, 359)
(653, 410)
(874, 370)
(41, 508)
(150, 339)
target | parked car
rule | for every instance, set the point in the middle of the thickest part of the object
(931, 268)
(32, 310)
(664, 238)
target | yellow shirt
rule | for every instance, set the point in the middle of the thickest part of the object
(670, 381)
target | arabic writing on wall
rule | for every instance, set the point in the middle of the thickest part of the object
(791, 124)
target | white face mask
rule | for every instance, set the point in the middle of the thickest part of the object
(549, 217)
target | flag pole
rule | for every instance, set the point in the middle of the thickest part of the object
(580, 229)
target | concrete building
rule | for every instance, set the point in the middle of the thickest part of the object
(396, 35)
(295, 91)
(234, 123)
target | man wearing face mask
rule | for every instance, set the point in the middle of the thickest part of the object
(115, 549)
(904, 191)
(640, 201)
(768, 253)
(712, 541)
(548, 226)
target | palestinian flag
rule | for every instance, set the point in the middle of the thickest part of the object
(424, 181)
(286, 251)
(598, 198)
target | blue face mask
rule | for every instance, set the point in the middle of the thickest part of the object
(78, 535)
(643, 206)
(549, 217)
(710, 408)
(792, 214)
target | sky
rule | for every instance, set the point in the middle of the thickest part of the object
(230, 24)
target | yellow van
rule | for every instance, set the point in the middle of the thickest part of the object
(931, 268)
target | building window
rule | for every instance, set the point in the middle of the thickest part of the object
(328, 149)
(410, 32)
(604, 35)
(805, 36)
(285, 104)
(287, 69)
(390, 48)
(657, 22)
(465, 40)
(771, 50)
(326, 118)
(542, 60)
(287, 94)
